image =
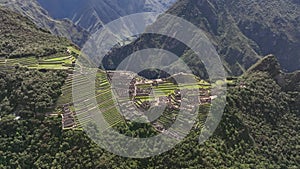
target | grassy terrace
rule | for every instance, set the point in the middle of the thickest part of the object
(168, 117)
(103, 95)
(66, 96)
(105, 100)
(107, 104)
(167, 88)
(59, 61)
(64, 61)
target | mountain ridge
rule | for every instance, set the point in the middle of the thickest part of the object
(41, 18)
(259, 128)
(20, 37)
(239, 41)
(93, 14)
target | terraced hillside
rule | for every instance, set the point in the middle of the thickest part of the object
(103, 95)
(119, 108)
(158, 102)
(61, 61)
(106, 100)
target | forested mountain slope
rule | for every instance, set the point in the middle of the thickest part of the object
(32, 10)
(259, 129)
(289, 82)
(21, 37)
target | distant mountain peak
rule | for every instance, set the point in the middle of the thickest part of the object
(92, 14)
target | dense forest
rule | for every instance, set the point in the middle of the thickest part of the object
(20, 37)
(28, 93)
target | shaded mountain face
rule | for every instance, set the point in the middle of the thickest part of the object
(242, 31)
(237, 51)
(268, 27)
(40, 17)
(273, 25)
(92, 14)
(20, 37)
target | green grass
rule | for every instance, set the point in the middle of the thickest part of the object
(145, 98)
(50, 66)
(105, 100)
(66, 96)
(22, 61)
(72, 49)
(144, 86)
(103, 96)
(166, 89)
(59, 61)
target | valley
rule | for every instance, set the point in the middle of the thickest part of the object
(92, 15)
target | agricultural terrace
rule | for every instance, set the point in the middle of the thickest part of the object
(147, 95)
(59, 61)
(103, 95)
(106, 100)
(168, 88)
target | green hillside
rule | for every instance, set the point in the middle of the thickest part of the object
(63, 27)
(21, 38)
(259, 127)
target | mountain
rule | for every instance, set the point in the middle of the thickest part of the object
(21, 37)
(241, 31)
(41, 18)
(289, 82)
(259, 128)
(92, 14)
(273, 25)
(271, 65)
